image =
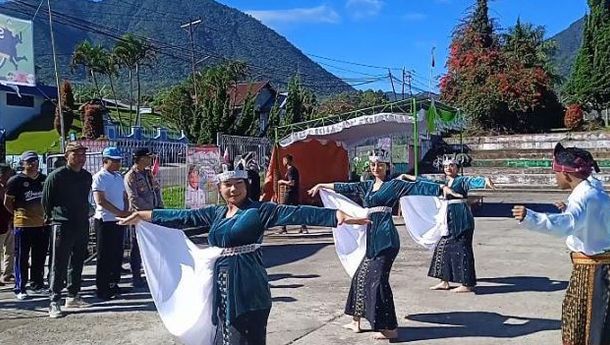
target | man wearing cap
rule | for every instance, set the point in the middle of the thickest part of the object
(585, 222)
(144, 193)
(65, 201)
(111, 201)
(7, 237)
(23, 199)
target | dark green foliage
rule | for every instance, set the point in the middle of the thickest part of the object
(589, 83)
(212, 113)
(300, 104)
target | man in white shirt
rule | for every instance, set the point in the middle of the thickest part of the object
(586, 223)
(111, 202)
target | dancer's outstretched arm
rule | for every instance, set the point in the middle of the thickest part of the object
(174, 218)
(278, 215)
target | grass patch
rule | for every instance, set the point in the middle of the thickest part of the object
(173, 197)
(149, 121)
(38, 135)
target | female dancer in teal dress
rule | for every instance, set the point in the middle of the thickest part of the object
(453, 259)
(242, 295)
(370, 294)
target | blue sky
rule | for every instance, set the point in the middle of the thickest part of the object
(391, 33)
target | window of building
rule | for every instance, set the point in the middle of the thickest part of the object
(16, 101)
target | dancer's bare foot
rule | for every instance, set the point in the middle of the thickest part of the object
(462, 289)
(353, 326)
(441, 286)
(386, 334)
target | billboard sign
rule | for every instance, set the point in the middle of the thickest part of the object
(16, 51)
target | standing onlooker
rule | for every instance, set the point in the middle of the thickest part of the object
(66, 205)
(7, 238)
(23, 199)
(111, 201)
(291, 182)
(144, 193)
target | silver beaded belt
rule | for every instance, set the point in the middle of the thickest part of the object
(457, 201)
(248, 248)
(379, 209)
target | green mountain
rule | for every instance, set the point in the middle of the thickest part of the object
(568, 42)
(225, 33)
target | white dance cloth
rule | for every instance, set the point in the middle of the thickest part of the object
(181, 275)
(180, 278)
(425, 219)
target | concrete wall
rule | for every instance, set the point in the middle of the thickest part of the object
(11, 117)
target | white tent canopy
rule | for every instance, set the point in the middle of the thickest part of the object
(353, 131)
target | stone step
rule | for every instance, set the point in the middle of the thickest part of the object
(526, 164)
(566, 137)
(598, 154)
(511, 180)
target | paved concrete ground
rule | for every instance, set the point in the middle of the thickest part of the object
(522, 277)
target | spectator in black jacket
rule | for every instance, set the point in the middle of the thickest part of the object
(66, 204)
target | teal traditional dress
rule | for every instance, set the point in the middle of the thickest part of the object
(453, 258)
(370, 294)
(242, 295)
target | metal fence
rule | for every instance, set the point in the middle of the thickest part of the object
(171, 175)
(236, 145)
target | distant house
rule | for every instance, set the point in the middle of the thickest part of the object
(18, 108)
(265, 94)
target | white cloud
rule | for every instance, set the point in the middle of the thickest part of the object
(415, 16)
(319, 14)
(364, 8)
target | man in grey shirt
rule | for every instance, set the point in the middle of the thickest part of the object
(144, 193)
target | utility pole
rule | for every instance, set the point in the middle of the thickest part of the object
(392, 82)
(62, 140)
(403, 83)
(190, 28)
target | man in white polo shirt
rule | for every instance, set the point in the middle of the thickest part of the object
(111, 202)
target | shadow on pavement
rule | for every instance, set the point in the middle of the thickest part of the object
(499, 209)
(278, 255)
(519, 284)
(473, 324)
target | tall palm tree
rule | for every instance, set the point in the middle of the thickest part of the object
(91, 58)
(110, 69)
(134, 53)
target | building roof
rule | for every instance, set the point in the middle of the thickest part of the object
(239, 92)
(38, 90)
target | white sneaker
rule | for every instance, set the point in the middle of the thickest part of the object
(21, 296)
(55, 310)
(75, 303)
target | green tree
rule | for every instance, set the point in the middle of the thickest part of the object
(213, 111)
(134, 53)
(300, 104)
(273, 121)
(502, 83)
(248, 117)
(589, 83)
(109, 66)
(91, 57)
(349, 101)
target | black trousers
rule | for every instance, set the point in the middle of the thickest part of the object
(33, 240)
(135, 260)
(69, 248)
(109, 243)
